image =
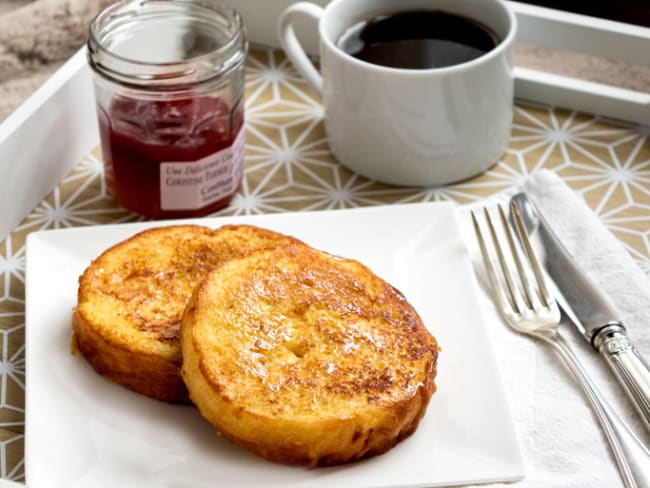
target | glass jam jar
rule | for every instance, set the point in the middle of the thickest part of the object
(169, 86)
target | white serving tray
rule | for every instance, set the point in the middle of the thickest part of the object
(44, 138)
(56, 127)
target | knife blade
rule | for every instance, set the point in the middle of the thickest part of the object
(589, 309)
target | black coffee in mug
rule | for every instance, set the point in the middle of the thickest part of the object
(418, 39)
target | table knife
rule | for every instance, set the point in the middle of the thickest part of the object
(589, 309)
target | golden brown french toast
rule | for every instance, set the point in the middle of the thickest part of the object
(306, 358)
(131, 299)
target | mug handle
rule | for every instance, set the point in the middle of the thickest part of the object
(292, 46)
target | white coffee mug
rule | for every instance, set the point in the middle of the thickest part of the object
(411, 127)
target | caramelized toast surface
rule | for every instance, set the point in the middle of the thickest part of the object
(131, 299)
(306, 358)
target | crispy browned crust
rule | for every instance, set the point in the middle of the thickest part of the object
(149, 374)
(131, 298)
(306, 358)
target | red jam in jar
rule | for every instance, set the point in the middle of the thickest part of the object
(175, 158)
(169, 83)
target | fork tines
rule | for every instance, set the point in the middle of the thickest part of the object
(527, 286)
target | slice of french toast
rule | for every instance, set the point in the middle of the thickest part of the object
(131, 299)
(306, 358)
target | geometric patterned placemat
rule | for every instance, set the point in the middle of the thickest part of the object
(289, 168)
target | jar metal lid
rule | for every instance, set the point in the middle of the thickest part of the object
(164, 44)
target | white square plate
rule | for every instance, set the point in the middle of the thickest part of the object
(84, 431)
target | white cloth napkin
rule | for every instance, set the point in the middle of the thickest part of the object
(561, 440)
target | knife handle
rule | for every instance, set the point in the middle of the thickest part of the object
(630, 368)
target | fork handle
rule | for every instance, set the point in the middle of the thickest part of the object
(632, 458)
(628, 365)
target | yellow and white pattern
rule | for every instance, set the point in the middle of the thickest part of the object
(289, 168)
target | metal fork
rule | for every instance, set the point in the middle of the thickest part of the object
(527, 306)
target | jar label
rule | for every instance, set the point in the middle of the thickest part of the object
(190, 185)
